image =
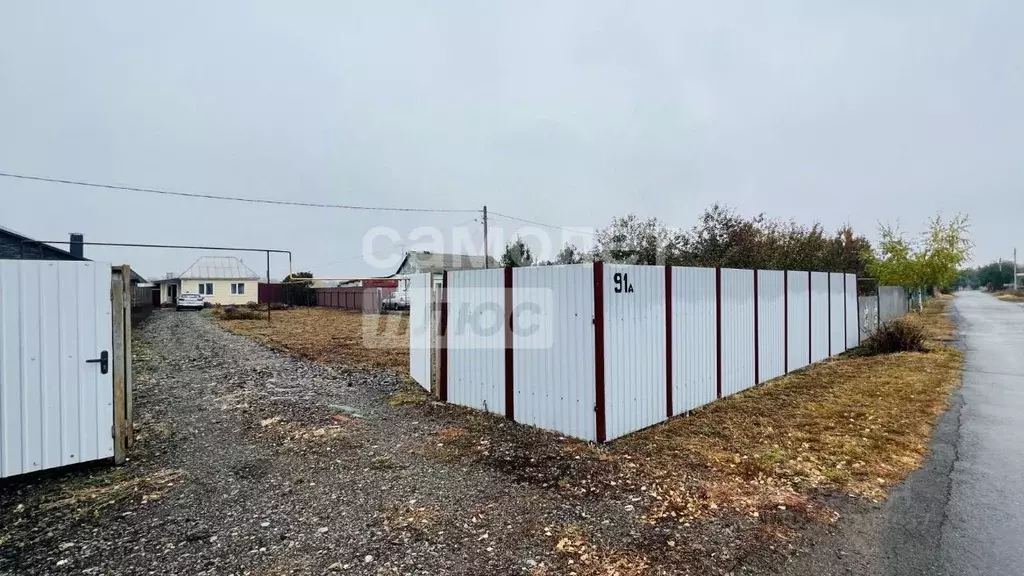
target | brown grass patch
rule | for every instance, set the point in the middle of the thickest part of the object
(853, 424)
(90, 496)
(330, 336)
(584, 558)
(1010, 295)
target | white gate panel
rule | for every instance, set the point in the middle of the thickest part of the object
(634, 344)
(553, 349)
(852, 317)
(837, 314)
(771, 328)
(55, 408)
(420, 329)
(737, 330)
(819, 316)
(799, 329)
(694, 339)
(476, 339)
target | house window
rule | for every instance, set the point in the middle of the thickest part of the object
(206, 288)
(238, 288)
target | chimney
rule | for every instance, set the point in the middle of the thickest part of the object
(76, 245)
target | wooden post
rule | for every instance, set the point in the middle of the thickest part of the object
(119, 425)
(126, 281)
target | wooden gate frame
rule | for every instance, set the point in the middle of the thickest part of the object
(122, 429)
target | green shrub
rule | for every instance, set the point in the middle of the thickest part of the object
(904, 334)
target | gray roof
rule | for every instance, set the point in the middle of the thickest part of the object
(14, 245)
(415, 262)
(218, 268)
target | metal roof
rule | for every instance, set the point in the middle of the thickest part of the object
(218, 268)
(438, 262)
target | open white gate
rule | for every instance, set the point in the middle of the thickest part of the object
(57, 364)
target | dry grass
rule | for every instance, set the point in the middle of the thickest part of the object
(853, 424)
(584, 558)
(91, 496)
(330, 336)
(1010, 295)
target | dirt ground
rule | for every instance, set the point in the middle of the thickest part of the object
(256, 461)
(332, 336)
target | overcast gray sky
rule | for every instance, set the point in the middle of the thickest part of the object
(567, 112)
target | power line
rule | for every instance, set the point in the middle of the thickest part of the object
(231, 198)
(379, 250)
(493, 213)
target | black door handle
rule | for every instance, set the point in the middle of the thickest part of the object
(103, 361)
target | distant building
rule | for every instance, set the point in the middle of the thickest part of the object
(15, 246)
(436, 262)
(219, 279)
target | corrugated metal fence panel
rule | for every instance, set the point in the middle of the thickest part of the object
(694, 337)
(737, 330)
(852, 321)
(771, 327)
(799, 322)
(819, 316)
(634, 344)
(476, 339)
(419, 329)
(553, 344)
(837, 327)
(893, 301)
(868, 315)
(55, 409)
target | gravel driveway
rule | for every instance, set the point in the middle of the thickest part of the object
(250, 461)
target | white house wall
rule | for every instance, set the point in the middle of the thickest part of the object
(694, 338)
(634, 344)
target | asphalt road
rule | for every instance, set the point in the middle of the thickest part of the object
(963, 513)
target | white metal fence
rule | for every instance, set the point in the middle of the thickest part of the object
(56, 402)
(597, 351)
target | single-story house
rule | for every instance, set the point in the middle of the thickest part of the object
(437, 262)
(219, 279)
(15, 246)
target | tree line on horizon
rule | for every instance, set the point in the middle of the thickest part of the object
(721, 237)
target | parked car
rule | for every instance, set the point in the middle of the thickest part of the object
(397, 300)
(189, 301)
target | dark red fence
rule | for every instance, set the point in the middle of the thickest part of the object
(363, 298)
(366, 299)
(270, 293)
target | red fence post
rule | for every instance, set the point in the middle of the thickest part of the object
(510, 398)
(599, 407)
(757, 336)
(442, 385)
(785, 321)
(810, 320)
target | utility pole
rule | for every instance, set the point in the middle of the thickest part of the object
(487, 261)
